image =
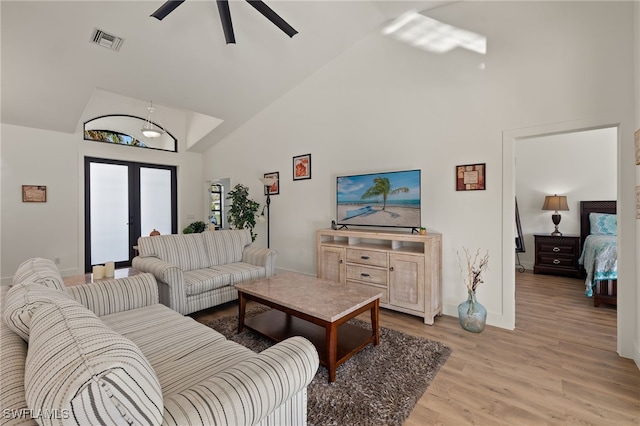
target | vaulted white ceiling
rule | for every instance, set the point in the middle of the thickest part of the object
(50, 68)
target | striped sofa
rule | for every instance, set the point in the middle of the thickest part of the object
(110, 353)
(198, 271)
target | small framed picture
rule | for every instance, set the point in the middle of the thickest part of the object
(34, 194)
(637, 140)
(471, 177)
(302, 167)
(275, 188)
(638, 202)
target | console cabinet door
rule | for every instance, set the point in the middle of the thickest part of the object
(406, 281)
(332, 266)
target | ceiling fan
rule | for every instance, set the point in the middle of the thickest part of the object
(225, 16)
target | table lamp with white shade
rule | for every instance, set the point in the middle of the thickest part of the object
(555, 203)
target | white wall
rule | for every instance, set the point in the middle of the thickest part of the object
(386, 106)
(580, 165)
(637, 127)
(55, 229)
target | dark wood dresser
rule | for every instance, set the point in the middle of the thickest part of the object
(557, 255)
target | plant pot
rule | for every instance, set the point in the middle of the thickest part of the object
(472, 315)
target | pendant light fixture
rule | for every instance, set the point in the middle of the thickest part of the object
(149, 129)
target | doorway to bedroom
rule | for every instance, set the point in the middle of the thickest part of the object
(579, 164)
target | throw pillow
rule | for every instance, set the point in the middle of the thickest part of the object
(22, 300)
(81, 370)
(603, 224)
(41, 271)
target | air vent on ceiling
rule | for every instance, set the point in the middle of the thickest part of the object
(106, 40)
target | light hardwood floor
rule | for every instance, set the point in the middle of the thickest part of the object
(558, 367)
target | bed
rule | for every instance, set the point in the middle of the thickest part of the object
(598, 240)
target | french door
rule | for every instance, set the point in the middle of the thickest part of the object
(124, 200)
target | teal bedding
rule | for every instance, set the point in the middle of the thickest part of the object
(600, 259)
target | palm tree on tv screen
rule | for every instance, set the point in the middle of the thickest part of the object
(382, 186)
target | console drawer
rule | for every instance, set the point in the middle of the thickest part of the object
(367, 257)
(368, 275)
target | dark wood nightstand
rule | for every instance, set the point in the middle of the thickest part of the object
(557, 255)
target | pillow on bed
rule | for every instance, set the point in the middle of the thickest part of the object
(603, 224)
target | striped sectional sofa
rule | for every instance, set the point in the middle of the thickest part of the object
(110, 353)
(198, 271)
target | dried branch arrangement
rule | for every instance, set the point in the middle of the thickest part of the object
(475, 266)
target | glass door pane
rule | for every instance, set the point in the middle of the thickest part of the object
(155, 200)
(109, 213)
(124, 200)
(216, 209)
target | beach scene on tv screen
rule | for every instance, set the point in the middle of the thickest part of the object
(379, 199)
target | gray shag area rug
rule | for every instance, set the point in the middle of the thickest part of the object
(378, 386)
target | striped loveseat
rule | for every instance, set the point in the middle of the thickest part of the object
(109, 353)
(198, 271)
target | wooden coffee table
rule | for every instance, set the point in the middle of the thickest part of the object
(317, 309)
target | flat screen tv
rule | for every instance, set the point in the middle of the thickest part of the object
(387, 199)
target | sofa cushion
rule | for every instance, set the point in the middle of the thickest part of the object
(80, 368)
(182, 351)
(226, 246)
(243, 272)
(203, 280)
(13, 353)
(120, 294)
(21, 302)
(41, 271)
(186, 251)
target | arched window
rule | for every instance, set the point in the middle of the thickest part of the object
(127, 130)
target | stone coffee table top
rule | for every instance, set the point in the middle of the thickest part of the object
(326, 300)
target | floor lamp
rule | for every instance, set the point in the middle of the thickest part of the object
(268, 182)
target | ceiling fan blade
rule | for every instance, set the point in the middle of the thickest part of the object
(268, 13)
(166, 9)
(225, 18)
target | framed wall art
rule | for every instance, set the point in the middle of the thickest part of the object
(471, 177)
(638, 202)
(34, 194)
(637, 140)
(275, 188)
(302, 167)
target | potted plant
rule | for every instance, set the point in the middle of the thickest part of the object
(423, 230)
(195, 228)
(242, 212)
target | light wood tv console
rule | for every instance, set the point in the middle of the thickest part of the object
(407, 268)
